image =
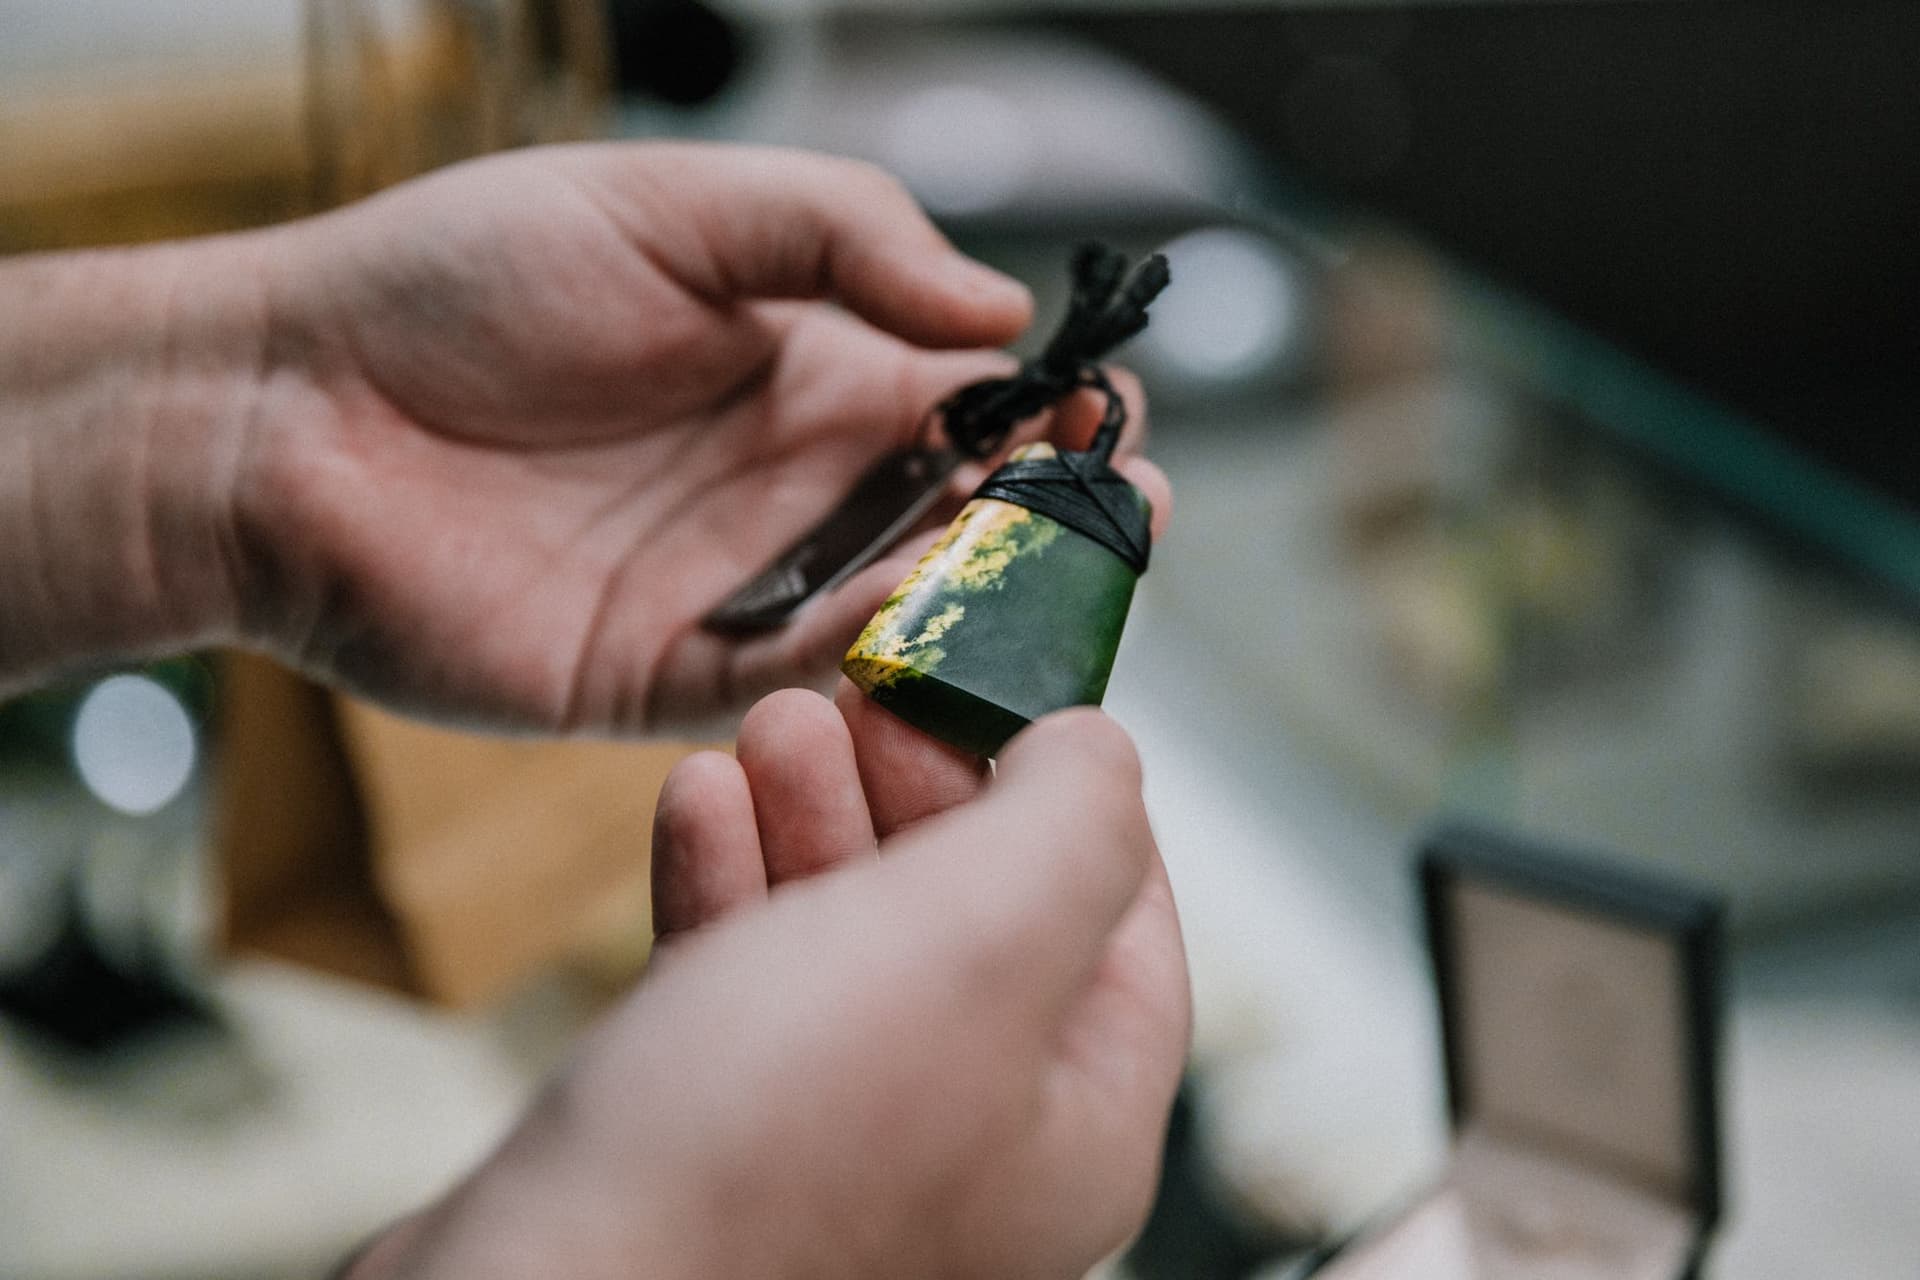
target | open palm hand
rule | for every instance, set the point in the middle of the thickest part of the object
(525, 421)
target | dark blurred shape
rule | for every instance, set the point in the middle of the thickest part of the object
(1349, 118)
(98, 921)
(72, 991)
(35, 727)
(1193, 1233)
(1725, 190)
(678, 51)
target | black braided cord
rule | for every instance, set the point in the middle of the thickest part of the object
(1080, 490)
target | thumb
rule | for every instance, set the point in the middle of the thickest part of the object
(1026, 885)
(735, 223)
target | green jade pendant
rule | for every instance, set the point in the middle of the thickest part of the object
(1011, 615)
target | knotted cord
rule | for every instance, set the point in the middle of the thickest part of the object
(1101, 316)
(1080, 490)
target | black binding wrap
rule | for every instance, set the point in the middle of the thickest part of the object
(1079, 490)
(1083, 493)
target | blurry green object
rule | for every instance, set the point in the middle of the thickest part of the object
(35, 724)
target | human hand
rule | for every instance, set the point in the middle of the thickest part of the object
(952, 1057)
(547, 409)
(488, 445)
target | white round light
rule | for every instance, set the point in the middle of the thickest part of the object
(1233, 309)
(960, 148)
(133, 744)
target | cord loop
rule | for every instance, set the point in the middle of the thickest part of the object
(1102, 315)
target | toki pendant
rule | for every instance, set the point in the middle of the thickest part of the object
(1011, 615)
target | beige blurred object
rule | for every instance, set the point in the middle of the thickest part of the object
(467, 78)
(441, 864)
(122, 124)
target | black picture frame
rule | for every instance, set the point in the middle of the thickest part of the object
(1592, 884)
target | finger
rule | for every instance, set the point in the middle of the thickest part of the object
(702, 670)
(1073, 780)
(1071, 425)
(807, 801)
(869, 383)
(908, 776)
(1131, 1031)
(819, 635)
(1030, 882)
(706, 851)
(772, 223)
(1150, 480)
(1078, 417)
(1121, 1055)
(1133, 436)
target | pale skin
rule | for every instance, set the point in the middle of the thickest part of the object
(487, 447)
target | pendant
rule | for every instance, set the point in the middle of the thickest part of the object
(1011, 615)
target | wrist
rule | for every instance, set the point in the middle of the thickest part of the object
(554, 1200)
(128, 382)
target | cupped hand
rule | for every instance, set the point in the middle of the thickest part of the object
(523, 422)
(903, 1022)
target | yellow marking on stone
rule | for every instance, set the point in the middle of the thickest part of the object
(938, 624)
(870, 673)
(971, 556)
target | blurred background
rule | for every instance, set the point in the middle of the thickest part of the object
(1536, 384)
